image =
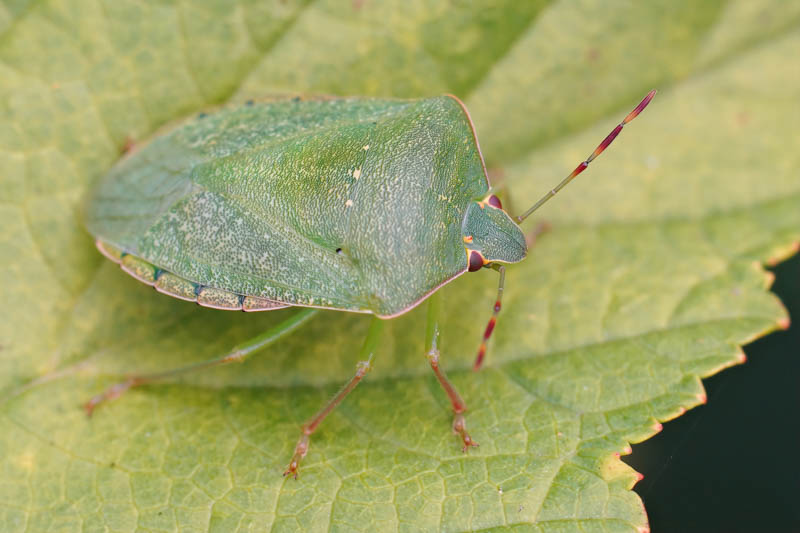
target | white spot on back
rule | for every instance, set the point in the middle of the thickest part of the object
(366, 147)
(357, 173)
(348, 203)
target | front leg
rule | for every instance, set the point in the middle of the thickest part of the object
(432, 353)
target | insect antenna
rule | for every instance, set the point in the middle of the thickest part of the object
(580, 168)
(599, 150)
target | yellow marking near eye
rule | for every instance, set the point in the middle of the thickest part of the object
(467, 239)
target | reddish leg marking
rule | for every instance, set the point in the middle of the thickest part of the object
(492, 321)
(367, 351)
(432, 353)
(301, 449)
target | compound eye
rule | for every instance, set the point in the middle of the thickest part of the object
(476, 261)
(494, 201)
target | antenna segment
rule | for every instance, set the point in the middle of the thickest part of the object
(599, 150)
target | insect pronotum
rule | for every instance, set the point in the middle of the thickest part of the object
(319, 203)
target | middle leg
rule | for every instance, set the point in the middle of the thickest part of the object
(364, 366)
(432, 353)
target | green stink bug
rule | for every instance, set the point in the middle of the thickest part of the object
(360, 205)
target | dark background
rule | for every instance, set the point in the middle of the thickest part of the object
(733, 465)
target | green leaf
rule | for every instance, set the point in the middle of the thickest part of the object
(649, 280)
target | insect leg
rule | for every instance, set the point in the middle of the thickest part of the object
(364, 366)
(237, 355)
(432, 353)
(492, 321)
(530, 240)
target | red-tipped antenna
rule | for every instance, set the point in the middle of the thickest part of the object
(599, 150)
(580, 168)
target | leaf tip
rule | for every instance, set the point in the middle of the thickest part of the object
(783, 254)
(784, 322)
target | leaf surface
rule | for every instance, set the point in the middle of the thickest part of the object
(649, 280)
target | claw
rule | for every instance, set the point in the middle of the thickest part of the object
(300, 451)
(468, 442)
(291, 470)
(460, 428)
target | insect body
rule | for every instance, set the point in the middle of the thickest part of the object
(357, 205)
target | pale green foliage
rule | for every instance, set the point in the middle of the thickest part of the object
(648, 280)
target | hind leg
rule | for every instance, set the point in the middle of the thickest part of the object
(237, 355)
